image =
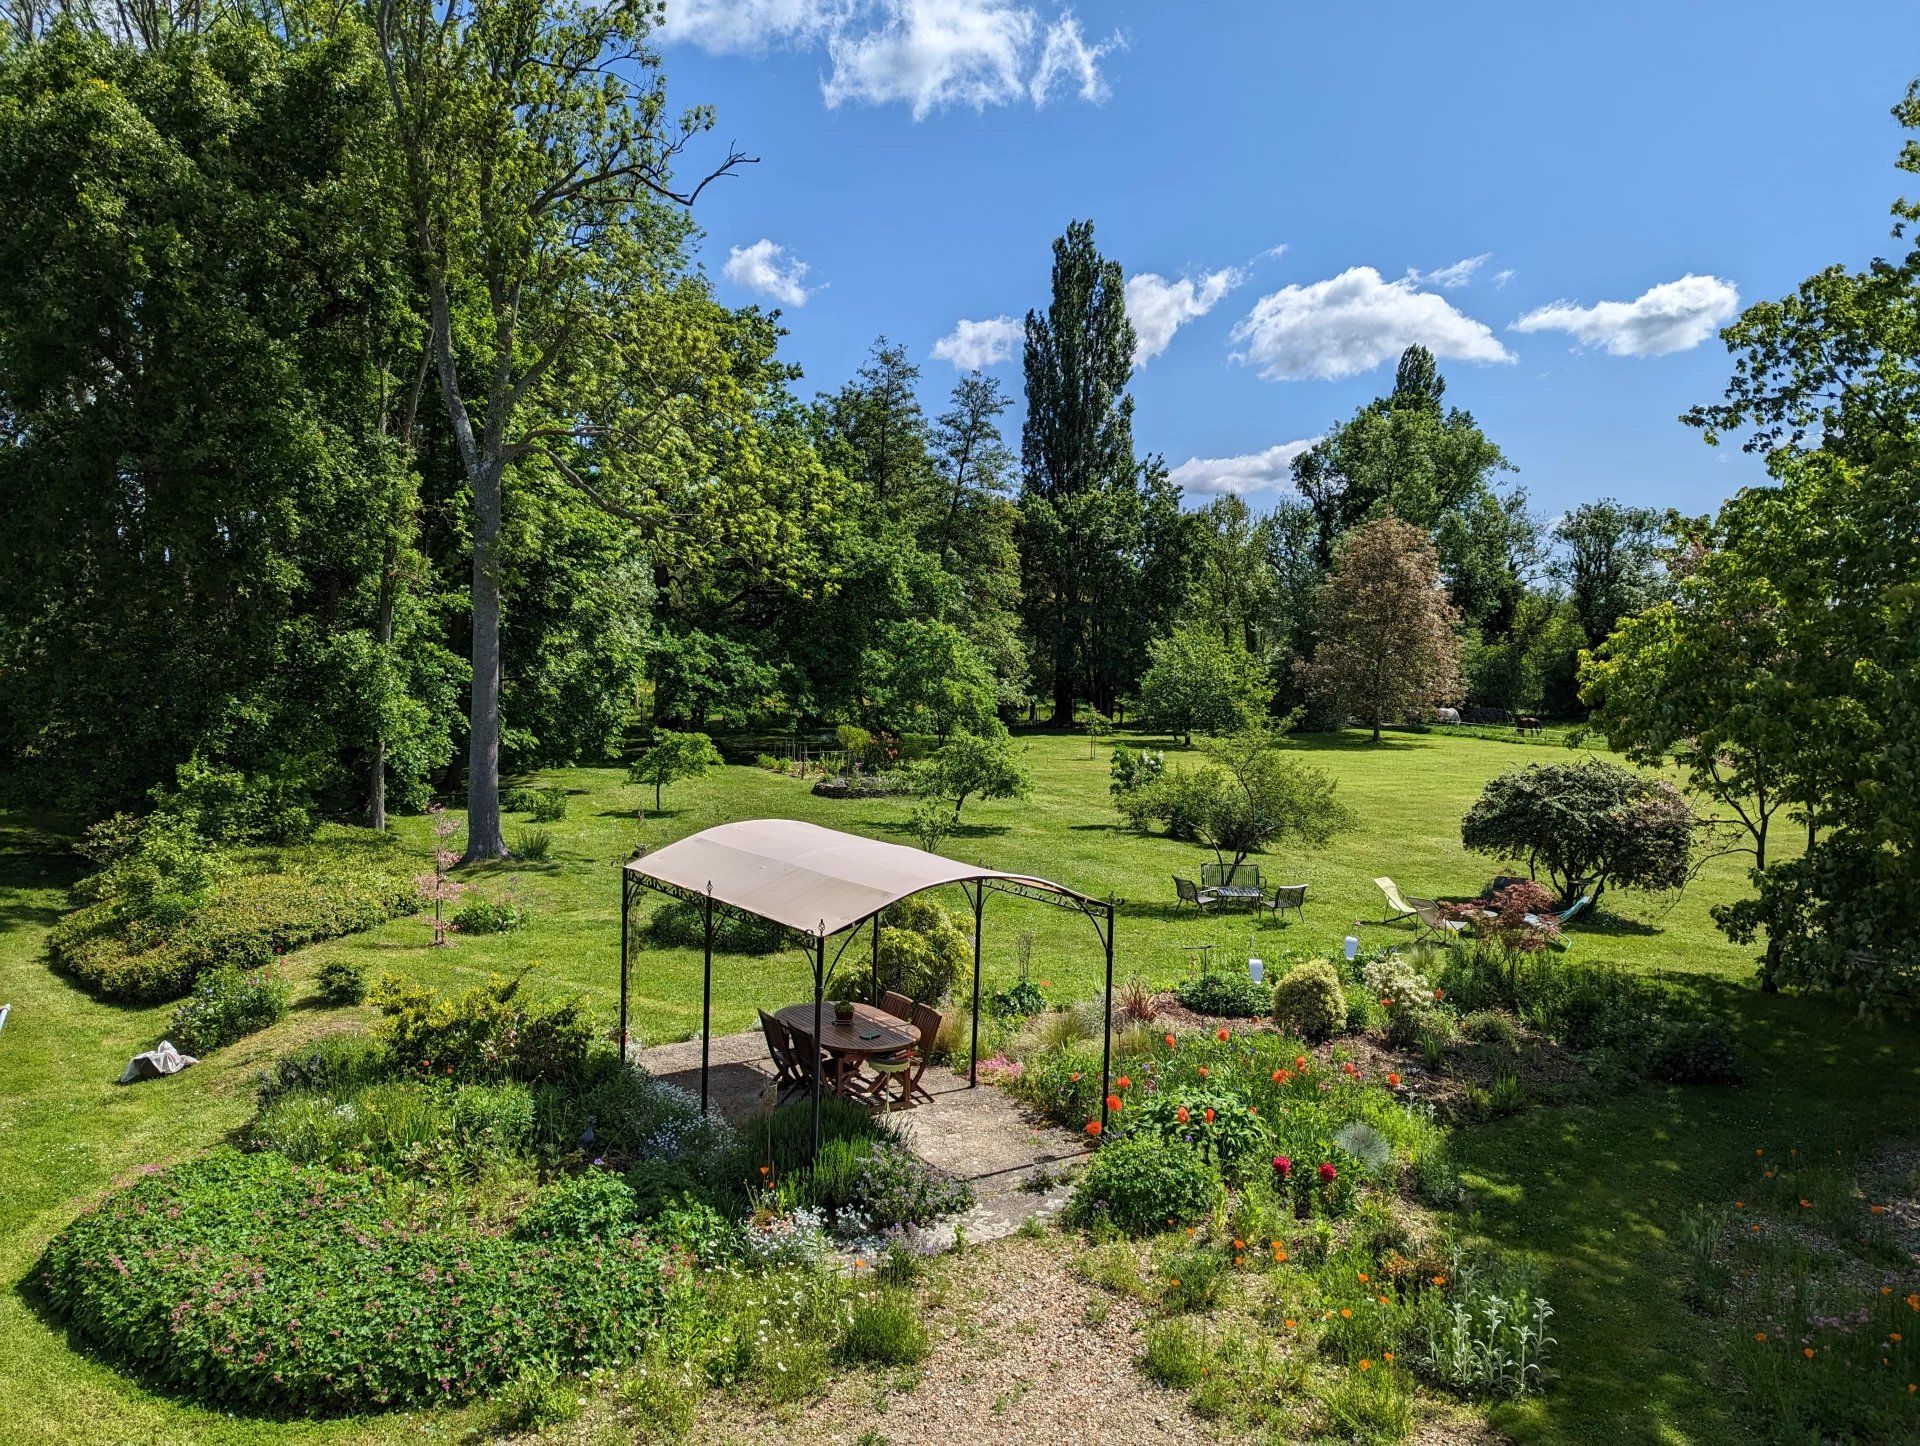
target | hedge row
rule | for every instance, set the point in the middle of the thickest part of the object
(251, 1281)
(268, 903)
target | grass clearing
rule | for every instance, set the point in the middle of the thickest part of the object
(1595, 1195)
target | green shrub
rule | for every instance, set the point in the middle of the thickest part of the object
(1143, 1184)
(343, 981)
(1216, 1120)
(1225, 996)
(893, 1186)
(658, 1184)
(1489, 1027)
(1063, 1085)
(408, 1125)
(1309, 1001)
(1022, 1001)
(490, 916)
(256, 1283)
(783, 1140)
(547, 805)
(262, 903)
(1364, 1014)
(227, 1005)
(492, 1032)
(681, 924)
(884, 1329)
(597, 1204)
(332, 1064)
(923, 952)
(535, 845)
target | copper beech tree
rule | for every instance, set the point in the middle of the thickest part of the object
(1389, 634)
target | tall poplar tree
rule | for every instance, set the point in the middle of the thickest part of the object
(1079, 482)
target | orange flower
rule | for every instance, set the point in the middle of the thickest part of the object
(1876, 1210)
(1175, 1282)
(1769, 1174)
(1291, 1324)
(1393, 1080)
(1386, 1355)
(1277, 1074)
(1807, 1351)
(1386, 1004)
(1438, 995)
(1758, 1153)
(1204, 1072)
(1384, 1300)
(1223, 1034)
(1895, 1337)
(859, 1265)
(1913, 1301)
(1739, 1204)
(1239, 1245)
(1363, 1276)
(1806, 1204)
(1208, 1116)
(1170, 1041)
(1760, 1336)
(1093, 1127)
(1046, 984)
(1239, 1260)
(1439, 1280)
(1280, 1257)
(1366, 1365)
(1124, 1083)
(1113, 1104)
(1074, 1078)
(1754, 1228)
(1300, 1061)
(1181, 1114)
(765, 1168)
(1253, 1109)
(1346, 1313)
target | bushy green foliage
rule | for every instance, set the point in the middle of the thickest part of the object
(974, 765)
(535, 845)
(1225, 996)
(681, 924)
(671, 757)
(1143, 1185)
(256, 1283)
(923, 952)
(1212, 1116)
(262, 903)
(547, 805)
(343, 981)
(1588, 825)
(884, 1329)
(1195, 683)
(226, 1005)
(491, 1032)
(1309, 1001)
(594, 1204)
(1019, 1000)
(333, 1063)
(409, 1125)
(893, 1187)
(490, 916)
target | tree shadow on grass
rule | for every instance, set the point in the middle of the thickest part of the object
(1354, 741)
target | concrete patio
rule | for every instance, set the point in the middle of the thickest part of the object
(1015, 1162)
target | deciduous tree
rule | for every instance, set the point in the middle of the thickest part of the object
(1196, 682)
(1389, 641)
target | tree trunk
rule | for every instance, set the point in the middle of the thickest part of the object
(484, 839)
(1063, 699)
(383, 640)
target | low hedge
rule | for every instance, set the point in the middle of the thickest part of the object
(268, 901)
(256, 1283)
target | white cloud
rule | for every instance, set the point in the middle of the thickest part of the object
(1158, 307)
(1351, 323)
(1255, 472)
(1673, 316)
(1449, 277)
(975, 344)
(746, 26)
(1503, 276)
(926, 54)
(766, 267)
(1066, 57)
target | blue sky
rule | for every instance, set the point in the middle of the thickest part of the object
(1625, 170)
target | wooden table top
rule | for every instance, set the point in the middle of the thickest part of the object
(890, 1035)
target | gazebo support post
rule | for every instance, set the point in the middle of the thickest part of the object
(874, 998)
(819, 997)
(973, 1050)
(1106, 1037)
(626, 903)
(706, 1001)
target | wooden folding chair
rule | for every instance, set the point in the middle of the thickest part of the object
(897, 1004)
(790, 1066)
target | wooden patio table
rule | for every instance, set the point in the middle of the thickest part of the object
(871, 1034)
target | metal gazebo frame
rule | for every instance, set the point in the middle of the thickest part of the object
(636, 875)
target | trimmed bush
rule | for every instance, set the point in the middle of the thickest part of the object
(490, 916)
(1310, 1002)
(256, 1283)
(1226, 996)
(343, 981)
(493, 1032)
(1144, 1185)
(681, 924)
(263, 902)
(226, 1005)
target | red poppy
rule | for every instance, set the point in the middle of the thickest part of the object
(1394, 1080)
(1169, 1041)
(1074, 1078)
(1300, 1062)
(1223, 1034)
(1124, 1082)
(1181, 1114)
(1327, 1172)
(1277, 1074)
(1093, 1127)
(1204, 1071)
(1113, 1103)
(1208, 1116)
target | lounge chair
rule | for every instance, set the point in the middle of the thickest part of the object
(1401, 908)
(1289, 896)
(1191, 893)
(1427, 911)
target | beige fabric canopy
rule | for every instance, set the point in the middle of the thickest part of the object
(812, 879)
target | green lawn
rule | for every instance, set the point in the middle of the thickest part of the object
(1595, 1192)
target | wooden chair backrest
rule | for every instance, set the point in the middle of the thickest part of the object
(927, 1021)
(779, 1046)
(897, 1004)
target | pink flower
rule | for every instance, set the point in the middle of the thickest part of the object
(1327, 1172)
(1282, 1166)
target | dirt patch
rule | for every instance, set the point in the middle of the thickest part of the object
(1891, 1180)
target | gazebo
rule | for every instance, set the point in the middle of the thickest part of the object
(821, 883)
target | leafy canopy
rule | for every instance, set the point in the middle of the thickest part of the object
(1196, 683)
(671, 757)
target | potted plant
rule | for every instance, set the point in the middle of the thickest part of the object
(843, 1004)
